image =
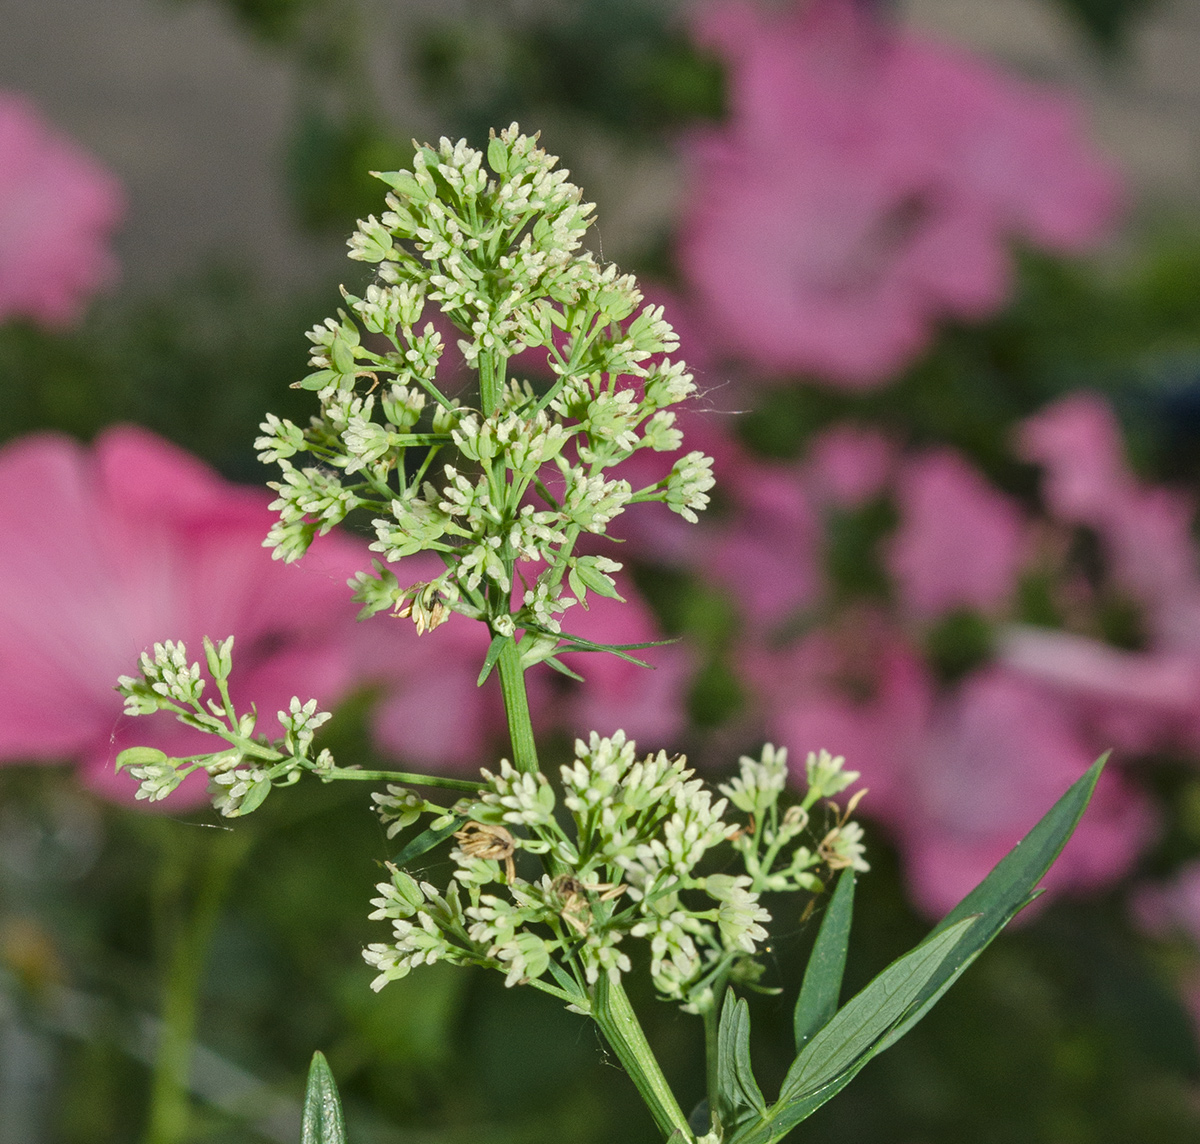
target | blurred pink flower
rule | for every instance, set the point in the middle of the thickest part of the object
(1133, 701)
(959, 544)
(866, 186)
(768, 553)
(1077, 441)
(112, 547)
(1144, 700)
(958, 778)
(1146, 532)
(998, 754)
(430, 713)
(58, 208)
(857, 689)
(849, 465)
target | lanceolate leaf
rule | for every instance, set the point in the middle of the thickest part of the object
(836, 1054)
(822, 985)
(323, 1123)
(489, 660)
(858, 1027)
(1007, 890)
(578, 643)
(738, 1091)
(427, 840)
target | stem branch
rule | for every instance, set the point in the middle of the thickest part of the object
(614, 1014)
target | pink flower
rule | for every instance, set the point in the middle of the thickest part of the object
(857, 689)
(58, 208)
(1135, 701)
(849, 465)
(1077, 441)
(866, 186)
(960, 543)
(112, 547)
(768, 555)
(431, 714)
(1146, 532)
(958, 777)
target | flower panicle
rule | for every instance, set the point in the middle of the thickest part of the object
(571, 876)
(244, 770)
(518, 472)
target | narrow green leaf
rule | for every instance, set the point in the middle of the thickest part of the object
(567, 983)
(323, 1121)
(822, 985)
(1007, 890)
(737, 1090)
(426, 841)
(578, 643)
(562, 668)
(870, 1014)
(489, 660)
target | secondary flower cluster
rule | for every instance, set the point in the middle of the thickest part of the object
(623, 861)
(242, 773)
(517, 480)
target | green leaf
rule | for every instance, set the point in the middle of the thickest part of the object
(489, 660)
(578, 643)
(1007, 890)
(737, 1091)
(822, 985)
(318, 380)
(497, 154)
(562, 668)
(140, 757)
(323, 1121)
(426, 841)
(858, 1027)
(835, 1055)
(253, 798)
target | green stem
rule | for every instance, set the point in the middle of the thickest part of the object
(516, 707)
(711, 1074)
(492, 368)
(398, 777)
(188, 939)
(614, 1014)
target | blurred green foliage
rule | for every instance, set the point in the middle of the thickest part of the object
(1108, 23)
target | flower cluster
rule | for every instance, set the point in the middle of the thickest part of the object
(513, 483)
(241, 774)
(533, 898)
